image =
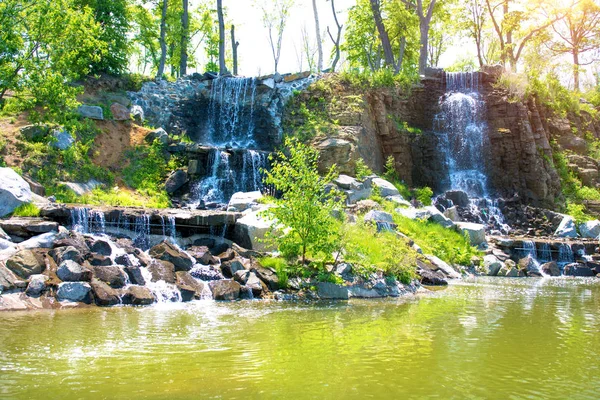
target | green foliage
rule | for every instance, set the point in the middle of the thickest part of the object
(111, 197)
(308, 118)
(305, 209)
(381, 78)
(551, 93)
(147, 169)
(369, 251)
(392, 176)
(362, 170)
(27, 210)
(577, 211)
(280, 266)
(424, 195)
(433, 238)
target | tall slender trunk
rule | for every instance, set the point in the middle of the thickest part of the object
(319, 41)
(383, 35)
(163, 43)
(575, 68)
(185, 27)
(234, 47)
(424, 47)
(222, 66)
(336, 41)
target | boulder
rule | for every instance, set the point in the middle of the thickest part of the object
(250, 280)
(104, 295)
(135, 275)
(66, 253)
(339, 152)
(36, 285)
(202, 255)
(251, 229)
(590, 229)
(576, 269)
(43, 241)
(113, 275)
(138, 296)
(176, 180)
(27, 227)
(99, 260)
(76, 241)
(347, 182)
(207, 272)
(432, 278)
(92, 112)
(267, 275)
(229, 268)
(74, 291)
(399, 200)
(160, 134)
(123, 260)
(119, 112)
(166, 251)
(137, 113)
(61, 139)
(551, 268)
(80, 188)
(331, 291)
(452, 214)
(439, 218)
(225, 289)
(70, 271)
(385, 188)
(443, 267)
(195, 167)
(529, 265)
(566, 228)
(458, 198)
(476, 232)
(101, 247)
(25, 263)
(242, 201)
(8, 280)
(34, 133)
(414, 213)
(186, 283)
(14, 191)
(491, 265)
(379, 216)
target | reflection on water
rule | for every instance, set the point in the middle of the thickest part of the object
(490, 338)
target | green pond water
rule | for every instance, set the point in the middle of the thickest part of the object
(489, 338)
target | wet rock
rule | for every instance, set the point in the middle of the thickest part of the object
(476, 232)
(443, 267)
(37, 284)
(576, 269)
(168, 252)
(250, 231)
(361, 291)
(226, 255)
(566, 228)
(590, 229)
(14, 191)
(176, 180)
(331, 291)
(123, 260)
(162, 271)
(27, 227)
(186, 283)
(225, 289)
(491, 265)
(267, 275)
(101, 247)
(246, 293)
(92, 112)
(99, 260)
(202, 255)
(229, 268)
(206, 272)
(77, 242)
(70, 271)
(25, 263)
(242, 201)
(104, 295)
(452, 214)
(135, 275)
(458, 198)
(66, 253)
(74, 291)
(113, 275)
(529, 265)
(119, 112)
(551, 268)
(432, 278)
(138, 296)
(439, 218)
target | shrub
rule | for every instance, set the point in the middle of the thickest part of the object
(362, 170)
(424, 195)
(27, 210)
(280, 266)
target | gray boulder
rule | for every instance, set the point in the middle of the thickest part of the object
(159, 134)
(347, 182)
(530, 265)
(379, 216)
(476, 232)
(331, 291)
(458, 198)
(176, 180)
(14, 191)
(81, 189)
(74, 291)
(225, 289)
(101, 247)
(62, 139)
(8, 280)
(385, 188)
(566, 228)
(70, 271)
(551, 268)
(576, 269)
(37, 284)
(92, 112)
(25, 263)
(491, 265)
(439, 218)
(441, 265)
(242, 201)
(267, 275)
(590, 229)
(251, 230)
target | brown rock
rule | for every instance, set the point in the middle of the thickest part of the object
(26, 263)
(119, 112)
(225, 289)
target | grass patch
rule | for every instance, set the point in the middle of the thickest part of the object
(27, 210)
(112, 197)
(280, 266)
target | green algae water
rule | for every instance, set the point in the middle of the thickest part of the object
(488, 338)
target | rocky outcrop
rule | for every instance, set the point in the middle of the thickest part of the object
(14, 191)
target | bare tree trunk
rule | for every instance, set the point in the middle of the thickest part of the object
(185, 27)
(336, 41)
(576, 69)
(234, 47)
(424, 23)
(222, 66)
(383, 35)
(319, 41)
(163, 43)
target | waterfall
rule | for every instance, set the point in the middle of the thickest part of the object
(544, 253)
(84, 220)
(141, 229)
(528, 249)
(565, 254)
(168, 228)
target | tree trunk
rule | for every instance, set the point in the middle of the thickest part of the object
(222, 66)
(185, 28)
(479, 56)
(576, 69)
(319, 41)
(336, 41)
(163, 43)
(383, 35)
(424, 47)
(234, 47)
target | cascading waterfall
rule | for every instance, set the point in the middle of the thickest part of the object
(84, 220)
(544, 253)
(141, 230)
(565, 254)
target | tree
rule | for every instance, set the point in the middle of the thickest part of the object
(308, 49)
(163, 40)
(306, 207)
(234, 47)
(145, 37)
(222, 66)
(275, 14)
(336, 41)
(383, 34)
(318, 36)
(578, 33)
(113, 17)
(474, 21)
(185, 27)
(425, 13)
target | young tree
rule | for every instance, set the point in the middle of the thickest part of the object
(578, 33)
(425, 13)
(163, 40)
(336, 41)
(185, 32)
(308, 49)
(275, 14)
(222, 66)
(306, 207)
(234, 47)
(318, 36)
(383, 34)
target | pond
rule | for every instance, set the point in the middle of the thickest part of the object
(484, 338)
